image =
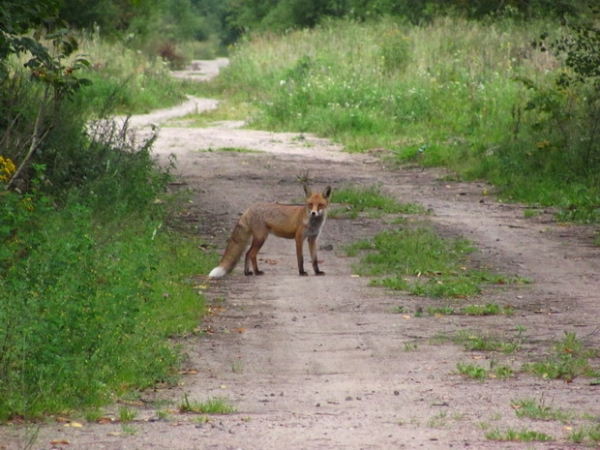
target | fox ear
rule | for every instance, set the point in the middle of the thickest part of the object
(327, 192)
(306, 189)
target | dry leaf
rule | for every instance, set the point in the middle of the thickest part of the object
(59, 442)
(105, 420)
(74, 425)
(241, 329)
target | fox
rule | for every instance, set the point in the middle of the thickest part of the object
(299, 222)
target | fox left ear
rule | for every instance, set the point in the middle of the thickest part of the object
(327, 192)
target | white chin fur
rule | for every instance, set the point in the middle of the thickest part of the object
(217, 272)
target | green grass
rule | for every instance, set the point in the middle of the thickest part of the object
(416, 259)
(226, 110)
(586, 435)
(93, 284)
(472, 341)
(484, 104)
(88, 314)
(216, 405)
(489, 309)
(537, 410)
(569, 359)
(370, 201)
(512, 435)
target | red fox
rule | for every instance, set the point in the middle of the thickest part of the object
(297, 222)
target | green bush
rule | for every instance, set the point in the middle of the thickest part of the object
(88, 299)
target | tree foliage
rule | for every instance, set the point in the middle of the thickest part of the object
(279, 15)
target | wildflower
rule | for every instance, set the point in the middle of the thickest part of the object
(7, 169)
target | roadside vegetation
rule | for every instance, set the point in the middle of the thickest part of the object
(94, 278)
(510, 101)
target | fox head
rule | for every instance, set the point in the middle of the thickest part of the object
(316, 202)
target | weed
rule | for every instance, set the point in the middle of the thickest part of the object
(522, 435)
(237, 366)
(128, 429)
(534, 409)
(440, 420)
(473, 341)
(587, 434)
(569, 360)
(399, 310)
(212, 406)
(411, 346)
(489, 309)
(472, 371)
(369, 200)
(163, 415)
(126, 415)
(503, 372)
(529, 213)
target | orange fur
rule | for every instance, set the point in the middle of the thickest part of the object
(298, 222)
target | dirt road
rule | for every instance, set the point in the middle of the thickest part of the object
(323, 362)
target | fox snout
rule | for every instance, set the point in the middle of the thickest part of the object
(315, 213)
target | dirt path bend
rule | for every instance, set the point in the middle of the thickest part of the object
(323, 362)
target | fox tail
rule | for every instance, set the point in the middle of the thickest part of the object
(235, 247)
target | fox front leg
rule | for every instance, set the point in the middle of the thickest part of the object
(299, 245)
(312, 246)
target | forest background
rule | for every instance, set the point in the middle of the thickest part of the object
(505, 91)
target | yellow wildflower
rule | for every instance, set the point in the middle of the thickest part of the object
(7, 169)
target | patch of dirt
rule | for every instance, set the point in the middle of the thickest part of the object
(323, 362)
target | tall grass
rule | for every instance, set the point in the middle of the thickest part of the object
(384, 83)
(455, 92)
(132, 80)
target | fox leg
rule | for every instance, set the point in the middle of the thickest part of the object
(251, 255)
(312, 246)
(299, 245)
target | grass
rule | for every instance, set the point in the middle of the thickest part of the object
(96, 304)
(416, 259)
(475, 104)
(369, 201)
(472, 341)
(489, 309)
(569, 359)
(512, 435)
(536, 409)
(128, 80)
(216, 405)
(586, 435)
(472, 371)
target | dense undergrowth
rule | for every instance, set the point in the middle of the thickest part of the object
(93, 281)
(476, 97)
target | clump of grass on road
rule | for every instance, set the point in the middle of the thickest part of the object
(371, 201)
(416, 259)
(217, 405)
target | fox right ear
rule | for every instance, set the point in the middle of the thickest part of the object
(327, 192)
(306, 189)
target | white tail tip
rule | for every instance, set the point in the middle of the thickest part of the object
(217, 272)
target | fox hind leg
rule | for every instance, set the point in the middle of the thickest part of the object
(251, 255)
